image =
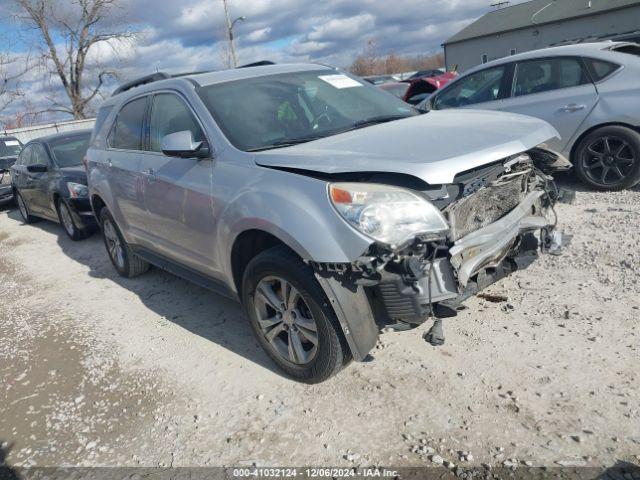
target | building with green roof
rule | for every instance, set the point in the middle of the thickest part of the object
(541, 23)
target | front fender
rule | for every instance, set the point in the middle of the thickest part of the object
(295, 209)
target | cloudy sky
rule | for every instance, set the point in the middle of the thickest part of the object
(189, 35)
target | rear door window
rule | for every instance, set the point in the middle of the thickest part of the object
(127, 130)
(546, 74)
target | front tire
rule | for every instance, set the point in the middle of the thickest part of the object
(67, 222)
(24, 210)
(126, 263)
(292, 318)
(609, 158)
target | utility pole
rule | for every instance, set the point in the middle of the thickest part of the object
(230, 26)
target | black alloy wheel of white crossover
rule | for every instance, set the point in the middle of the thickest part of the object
(609, 158)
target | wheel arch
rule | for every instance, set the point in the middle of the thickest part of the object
(55, 197)
(97, 203)
(592, 129)
(246, 246)
(352, 309)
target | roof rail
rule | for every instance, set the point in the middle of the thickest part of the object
(187, 74)
(261, 63)
(154, 77)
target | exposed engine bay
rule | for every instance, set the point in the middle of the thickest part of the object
(500, 217)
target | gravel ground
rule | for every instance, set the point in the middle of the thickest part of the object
(154, 371)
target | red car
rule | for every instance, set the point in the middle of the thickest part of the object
(415, 90)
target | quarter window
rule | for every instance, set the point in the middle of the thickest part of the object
(127, 130)
(479, 87)
(170, 114)
(600, 69)
(536, 76)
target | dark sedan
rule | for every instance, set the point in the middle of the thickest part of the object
(9, 150)
(49, 181)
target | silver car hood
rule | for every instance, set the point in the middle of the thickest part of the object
(433, 147)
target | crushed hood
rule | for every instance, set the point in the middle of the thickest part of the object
(433, 147)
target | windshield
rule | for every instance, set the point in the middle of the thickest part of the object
(279, 110)
(69, 151)
(10, 147)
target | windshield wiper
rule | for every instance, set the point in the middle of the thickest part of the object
(354, 126)
(375, 121)
(289, 142)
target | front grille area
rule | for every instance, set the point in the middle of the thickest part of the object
(485, 206)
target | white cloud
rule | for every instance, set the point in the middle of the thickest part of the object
(188, 35)
(259, 35)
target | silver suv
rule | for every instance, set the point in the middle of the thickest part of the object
(328, 207)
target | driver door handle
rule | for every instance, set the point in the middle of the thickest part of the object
(572, 107)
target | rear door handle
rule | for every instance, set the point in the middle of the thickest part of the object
(572, 107)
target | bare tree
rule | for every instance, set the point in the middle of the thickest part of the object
(68, 32)
(11, 69)
(368, 63)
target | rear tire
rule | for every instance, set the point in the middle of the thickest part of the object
(126, 263)
(24, 210)
(609, 158)
(308, 344)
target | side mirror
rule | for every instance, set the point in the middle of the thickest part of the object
(37, 168)
(181, 144)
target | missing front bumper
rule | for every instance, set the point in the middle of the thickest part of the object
(473, 262)
(488, 246)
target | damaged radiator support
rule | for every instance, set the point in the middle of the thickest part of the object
(492, 232)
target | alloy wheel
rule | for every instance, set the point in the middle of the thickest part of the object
(608, 160)
(67, 221)
(286, 320)
(114, 246)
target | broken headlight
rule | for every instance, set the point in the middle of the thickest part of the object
(390, 215)
(77, 190)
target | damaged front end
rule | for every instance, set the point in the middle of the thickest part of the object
(498, 217)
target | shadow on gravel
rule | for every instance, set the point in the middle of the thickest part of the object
(6, 472)
(6, 206)
(569, 181)
(621, 471)
(193, 308)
